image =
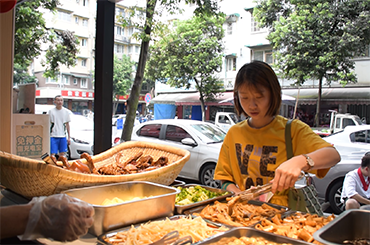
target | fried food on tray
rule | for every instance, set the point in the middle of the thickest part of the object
(152, 231)
(238, 213)
(246, 241)
(298, 225)
(133, 164)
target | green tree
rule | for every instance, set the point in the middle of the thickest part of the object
(205, 7)
(122, 78)
(31, 33)
(21, 75)
(192, 53)
(316, 39)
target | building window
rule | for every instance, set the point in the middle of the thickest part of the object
(51, 80)
(83, 62)
(83, 42)
(119, 31)
(130, 31)
(77, 20)
(268, 57)
(120, 12)
(263, 55)
(254, 25)
(65, 16)
(85, 3)
(83, 83)
(129, 49)
(231, 64)
(137, 49)
(75, 81)
(118, 48)
(66, 79)
(229, 28)
(85, 22)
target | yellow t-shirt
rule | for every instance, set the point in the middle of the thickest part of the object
(249, 156)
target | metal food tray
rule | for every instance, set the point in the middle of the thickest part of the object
(156, 201)
(177, 183)
(250, 232)
(350, 225)
(181, 208)
(101, 238)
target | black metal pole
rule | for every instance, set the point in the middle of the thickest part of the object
(104, 42)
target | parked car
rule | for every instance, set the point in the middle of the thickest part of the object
(117, 132)
(352, 144)
(203, 140)
(116, 117)
(82, 136)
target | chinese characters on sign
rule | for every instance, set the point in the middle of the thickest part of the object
(29, 140)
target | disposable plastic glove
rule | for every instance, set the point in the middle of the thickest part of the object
(60, 217)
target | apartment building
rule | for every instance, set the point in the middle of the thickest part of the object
(244, 41)
(76, 84)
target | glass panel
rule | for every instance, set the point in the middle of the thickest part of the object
(152, 130)
(258, 55)
(175, 133)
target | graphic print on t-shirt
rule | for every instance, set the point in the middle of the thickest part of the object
(254, 161)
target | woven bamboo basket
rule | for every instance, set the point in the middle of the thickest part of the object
(30, 178)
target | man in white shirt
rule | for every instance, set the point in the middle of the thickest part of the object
(59, 120)
(356, 185)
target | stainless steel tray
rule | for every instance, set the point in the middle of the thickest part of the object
(101, 238)
(350, 225)
(157, 201)
(181, 208)
(177, 183)
(250, 232)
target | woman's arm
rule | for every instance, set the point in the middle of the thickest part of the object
(13, 220)
(287, 173)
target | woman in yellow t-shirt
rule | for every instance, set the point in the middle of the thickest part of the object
(253, 152)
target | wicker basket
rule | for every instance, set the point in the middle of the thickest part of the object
(32, 178)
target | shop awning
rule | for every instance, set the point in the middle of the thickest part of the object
(351, 95)
(80, 76)
(190, 99)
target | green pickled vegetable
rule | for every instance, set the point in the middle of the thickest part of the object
(193, 194)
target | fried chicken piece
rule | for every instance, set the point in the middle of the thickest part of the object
(162, 161)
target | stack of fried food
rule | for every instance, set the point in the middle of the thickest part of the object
(298, 225)
(246, 241)
(135, 164)
(238, 213)
(152, 231)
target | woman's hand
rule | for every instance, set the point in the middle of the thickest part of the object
(287, 173)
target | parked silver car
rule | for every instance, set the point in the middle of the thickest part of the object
(203, 140)
(352, 144)
(82, 136)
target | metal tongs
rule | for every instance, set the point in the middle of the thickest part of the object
(253, 193)
(173, 238)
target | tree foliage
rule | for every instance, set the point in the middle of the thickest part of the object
(316, 39)
(204, 7)
(21, 75)
(122, 77)
(191, 53)
(31, 34)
